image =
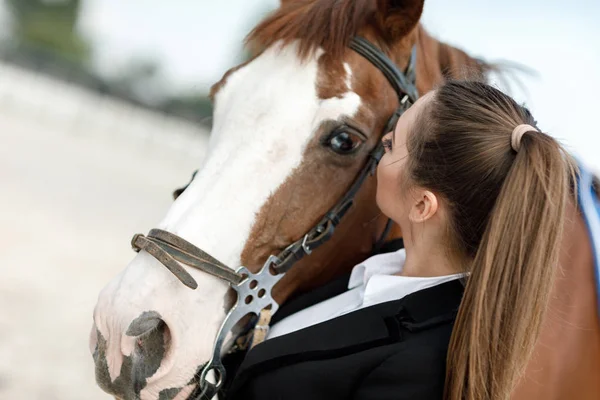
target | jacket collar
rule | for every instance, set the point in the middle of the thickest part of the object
(366, 328)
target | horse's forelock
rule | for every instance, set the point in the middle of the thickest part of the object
(324, 24)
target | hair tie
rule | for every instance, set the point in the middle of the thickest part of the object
(517, 134)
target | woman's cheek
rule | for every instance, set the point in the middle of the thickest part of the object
(385, 188)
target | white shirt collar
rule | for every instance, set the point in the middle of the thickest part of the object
(381, 264)
(371, 282)
(378, 281)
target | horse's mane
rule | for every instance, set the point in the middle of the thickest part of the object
(318, 23)
(331, 25)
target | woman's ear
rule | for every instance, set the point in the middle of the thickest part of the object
(425, 207)
(397, 18)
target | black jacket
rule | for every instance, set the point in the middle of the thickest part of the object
(393, 350)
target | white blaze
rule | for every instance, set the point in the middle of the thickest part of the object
(265, 115)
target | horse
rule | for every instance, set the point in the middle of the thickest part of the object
(292, 129)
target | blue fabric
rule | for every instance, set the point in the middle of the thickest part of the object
(590, 208)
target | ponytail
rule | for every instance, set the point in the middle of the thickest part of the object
(507, 292)
(506, 197)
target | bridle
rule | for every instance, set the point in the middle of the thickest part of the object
(254, 289)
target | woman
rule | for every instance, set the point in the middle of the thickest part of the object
(479, 194)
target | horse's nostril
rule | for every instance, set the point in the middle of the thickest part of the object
(145, 323)
(124, 363)
(152, 338)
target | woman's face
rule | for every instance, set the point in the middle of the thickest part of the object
(392, 198)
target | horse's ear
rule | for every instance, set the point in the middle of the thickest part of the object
(397, 18)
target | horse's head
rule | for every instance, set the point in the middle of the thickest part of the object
(292, 128)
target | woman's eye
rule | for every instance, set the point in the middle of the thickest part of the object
(344, 142)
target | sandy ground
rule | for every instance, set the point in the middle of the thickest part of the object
(69, 204)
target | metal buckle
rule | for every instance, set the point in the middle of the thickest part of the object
(404, 99)
(406, 102)
(305, 246)
(254, 294)
(288, 250)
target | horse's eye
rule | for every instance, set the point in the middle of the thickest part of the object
(344, 142)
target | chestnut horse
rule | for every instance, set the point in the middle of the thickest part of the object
(292, 129)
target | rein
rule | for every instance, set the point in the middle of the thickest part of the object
(254, 289)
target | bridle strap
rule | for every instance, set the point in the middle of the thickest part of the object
(254, 290)
(386, 230)
(170, 249)
(399, 81)
(323, 231)
(407, 94)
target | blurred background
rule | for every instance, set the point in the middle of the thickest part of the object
(104, 111)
